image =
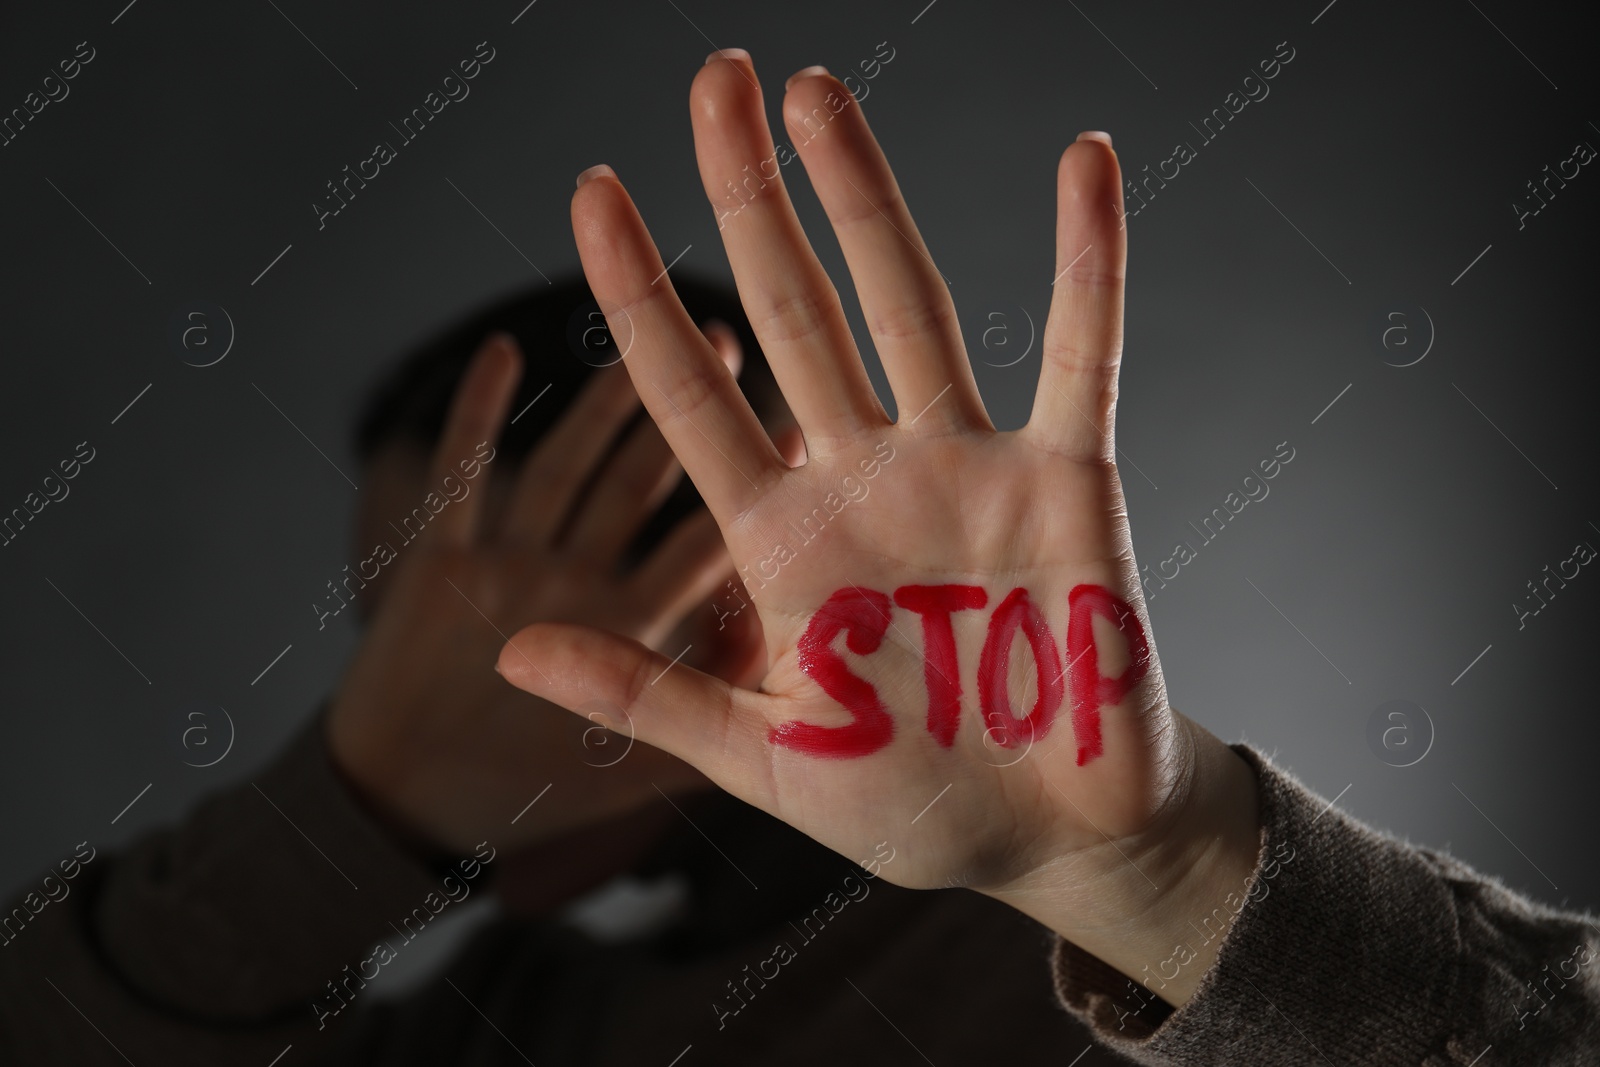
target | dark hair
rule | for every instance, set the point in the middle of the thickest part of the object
(564, 339)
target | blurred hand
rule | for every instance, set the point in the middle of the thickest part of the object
(961, 662)
(431, 737)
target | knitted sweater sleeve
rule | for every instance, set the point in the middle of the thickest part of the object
(1349, 946)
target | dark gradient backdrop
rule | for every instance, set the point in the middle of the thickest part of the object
(1374, 189)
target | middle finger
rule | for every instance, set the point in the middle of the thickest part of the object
(791, 302)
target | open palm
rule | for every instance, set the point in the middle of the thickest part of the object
(958, 651)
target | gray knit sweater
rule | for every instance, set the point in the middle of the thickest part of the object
(237, 937)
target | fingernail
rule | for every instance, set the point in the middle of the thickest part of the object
(498, 671)
(808, 72)
(595, 172)
(1096, 135)
(729, 54)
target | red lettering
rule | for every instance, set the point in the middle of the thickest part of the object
(940, 668)
(1016, 612)
(863, 616)
(1090, 689)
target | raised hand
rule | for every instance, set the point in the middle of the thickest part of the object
(960, 660)
(437, 744)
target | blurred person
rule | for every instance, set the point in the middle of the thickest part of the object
(266, 919)
(940, 703)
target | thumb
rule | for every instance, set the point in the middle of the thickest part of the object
(624, 686)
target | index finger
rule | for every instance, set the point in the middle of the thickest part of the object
(684, 384)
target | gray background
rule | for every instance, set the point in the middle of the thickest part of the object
(1396, 541)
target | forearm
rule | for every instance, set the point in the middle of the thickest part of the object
(214, 938)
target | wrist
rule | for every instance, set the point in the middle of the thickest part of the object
(371, 801)
(1157, 905)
